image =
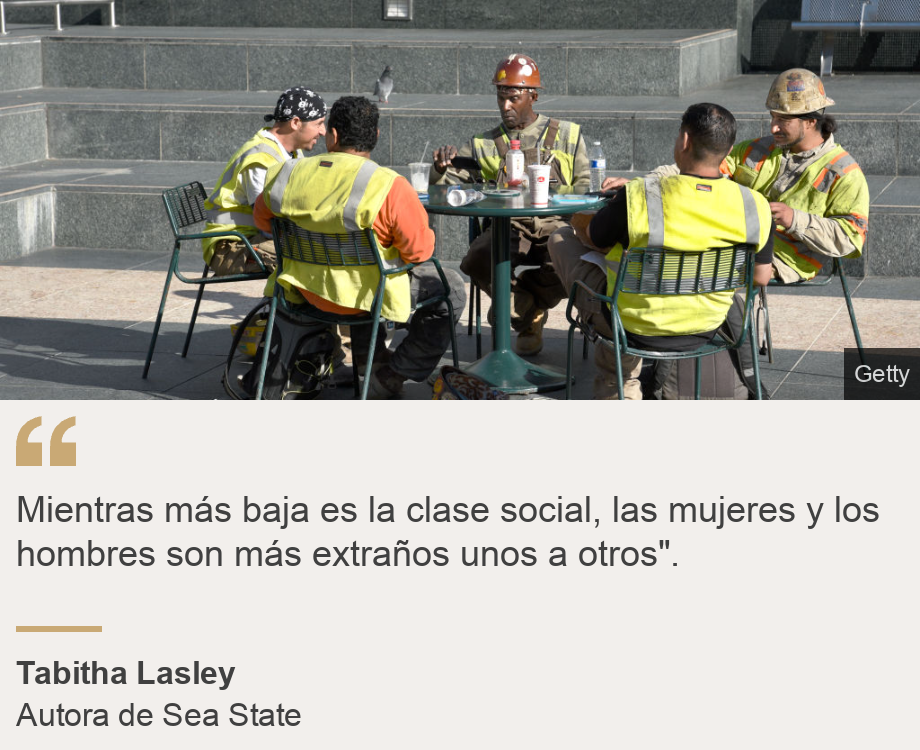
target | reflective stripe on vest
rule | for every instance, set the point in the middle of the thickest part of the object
(565, 142)
(831, 186)
(276, 194)
(362, 180)
(230, 172)
(757, 153)
(336, 193)
(227, 207)
(654, 205)
(219, 216)
(686, 212)
(834, 170)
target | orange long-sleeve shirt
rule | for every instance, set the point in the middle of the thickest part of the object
(401, 223)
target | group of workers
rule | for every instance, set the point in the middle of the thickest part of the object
(795, 194)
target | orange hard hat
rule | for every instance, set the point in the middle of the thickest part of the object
(517, 71)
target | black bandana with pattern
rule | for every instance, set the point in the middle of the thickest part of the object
(298, 102)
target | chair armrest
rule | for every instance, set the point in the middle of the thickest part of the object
(593, 294)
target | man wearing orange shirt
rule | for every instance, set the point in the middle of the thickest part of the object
(343, 191)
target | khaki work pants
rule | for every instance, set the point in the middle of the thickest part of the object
(232, 256)
(566, 250)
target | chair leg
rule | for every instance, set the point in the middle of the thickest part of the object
(698, 377)
(478, 322)
(369, 365)
(756, 364)
(469, 317)
(764, 313)
(568, 362)
(846, 295)
(173, 263)
(453, 331)
(269, 327)
(191, 325)
(620, 386)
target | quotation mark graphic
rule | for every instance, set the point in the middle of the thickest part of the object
(61, 453)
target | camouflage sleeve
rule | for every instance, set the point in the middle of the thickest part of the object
(453, 176)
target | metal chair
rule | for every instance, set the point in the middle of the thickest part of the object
(348, 249)
(764, 311)
(185, 208)
(663, 271)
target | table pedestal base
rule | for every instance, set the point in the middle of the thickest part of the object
(506, 371)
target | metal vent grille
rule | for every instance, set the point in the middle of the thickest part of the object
(893, 11)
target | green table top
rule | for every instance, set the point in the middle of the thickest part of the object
(516, 206)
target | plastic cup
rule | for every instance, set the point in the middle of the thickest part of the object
(418, 176)
(539, 184)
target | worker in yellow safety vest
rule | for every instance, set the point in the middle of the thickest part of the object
(694, 209)
(818, 195)
(543, 140)
(298, 122)
(343, 191)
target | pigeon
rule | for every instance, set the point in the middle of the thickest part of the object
(384, 86)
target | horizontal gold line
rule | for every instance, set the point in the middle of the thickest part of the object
(59, 628)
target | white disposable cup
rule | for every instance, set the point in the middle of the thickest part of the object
(462, 197)
(539, 184)
(418, 176)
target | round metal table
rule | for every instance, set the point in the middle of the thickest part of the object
(501, 367)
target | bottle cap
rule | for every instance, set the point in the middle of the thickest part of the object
(515, 143)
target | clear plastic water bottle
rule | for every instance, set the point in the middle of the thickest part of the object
(598, 165)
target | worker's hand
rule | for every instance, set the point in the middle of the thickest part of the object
(442, 157)
(612, 183)
(782, 214)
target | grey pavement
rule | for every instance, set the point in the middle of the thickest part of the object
(75, 324)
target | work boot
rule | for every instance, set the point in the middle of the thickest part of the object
(530, 340)
(344, 345)
(385, 383)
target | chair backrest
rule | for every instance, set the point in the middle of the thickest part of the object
(185, 205)
(358, 248)
(664, 271)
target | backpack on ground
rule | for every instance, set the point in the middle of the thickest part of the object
(300, 361)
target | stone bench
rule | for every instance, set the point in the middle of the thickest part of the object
(57, 10)
(829, 17)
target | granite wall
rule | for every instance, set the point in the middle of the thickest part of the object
(428, 14)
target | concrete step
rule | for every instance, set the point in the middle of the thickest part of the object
(117, 205)
(589, 63)
(879, 118)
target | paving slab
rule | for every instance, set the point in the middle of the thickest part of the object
(93, 345)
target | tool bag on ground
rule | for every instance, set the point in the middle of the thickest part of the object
(719, 380)
(300, 360)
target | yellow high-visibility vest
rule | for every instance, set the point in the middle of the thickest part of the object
(337, 193)
(683, 212)
(227, 207)
(486, 152)
(833, 187)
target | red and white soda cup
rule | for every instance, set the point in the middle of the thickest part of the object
(539, 184)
